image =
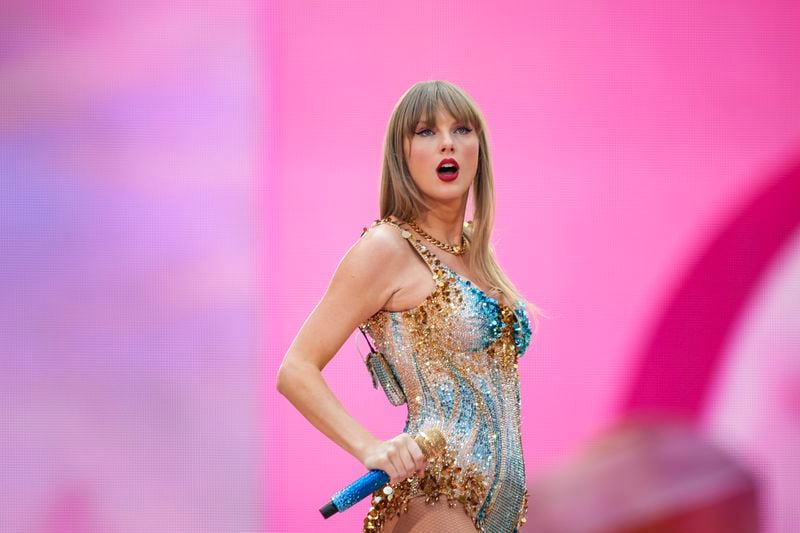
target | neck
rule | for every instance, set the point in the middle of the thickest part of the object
(444, 223)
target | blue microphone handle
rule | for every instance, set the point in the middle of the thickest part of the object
(360, 489)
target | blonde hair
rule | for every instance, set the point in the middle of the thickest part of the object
(400, 197)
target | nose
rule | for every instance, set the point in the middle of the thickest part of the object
(447, 142)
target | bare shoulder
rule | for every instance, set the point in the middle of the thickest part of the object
(375, 262)
(380, 247)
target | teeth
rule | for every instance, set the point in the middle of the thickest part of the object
(447, 166)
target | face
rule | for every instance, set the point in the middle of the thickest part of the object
(435, 141)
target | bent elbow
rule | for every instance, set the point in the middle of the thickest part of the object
(282, 379)
(290, 375)
(293, 375)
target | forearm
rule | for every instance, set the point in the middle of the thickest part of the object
(303, 385)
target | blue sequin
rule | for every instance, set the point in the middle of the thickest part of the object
(522, 331)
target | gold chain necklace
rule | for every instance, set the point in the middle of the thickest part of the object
(455, 249)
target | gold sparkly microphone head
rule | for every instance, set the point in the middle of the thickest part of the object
(431, 442)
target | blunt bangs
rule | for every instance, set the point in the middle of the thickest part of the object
(426, 98)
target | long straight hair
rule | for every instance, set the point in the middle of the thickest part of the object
(400, 196)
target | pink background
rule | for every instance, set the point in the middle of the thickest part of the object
(625, 136)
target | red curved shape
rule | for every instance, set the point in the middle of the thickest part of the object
(679, 361)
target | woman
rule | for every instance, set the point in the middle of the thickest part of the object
(448, 328)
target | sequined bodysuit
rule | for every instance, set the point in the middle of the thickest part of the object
(454, 357)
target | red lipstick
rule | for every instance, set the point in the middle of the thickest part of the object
(447, 169)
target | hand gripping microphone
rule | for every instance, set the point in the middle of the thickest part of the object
(431, 442)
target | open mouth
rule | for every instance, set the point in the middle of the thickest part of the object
(447, 170)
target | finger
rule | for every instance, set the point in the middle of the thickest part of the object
(416, 453)
(398, 456)
(397, 469)
(409, 465)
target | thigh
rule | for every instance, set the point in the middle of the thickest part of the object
(425, 518)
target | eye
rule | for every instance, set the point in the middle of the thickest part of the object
(466, 129)
(422, 132)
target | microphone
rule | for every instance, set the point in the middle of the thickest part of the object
(431, 442)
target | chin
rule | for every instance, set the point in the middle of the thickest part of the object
(449, 195)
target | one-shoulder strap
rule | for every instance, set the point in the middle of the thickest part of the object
(430, 259)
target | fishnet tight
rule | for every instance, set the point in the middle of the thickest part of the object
(426, 518)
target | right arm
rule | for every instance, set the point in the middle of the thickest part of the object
(363, 282)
